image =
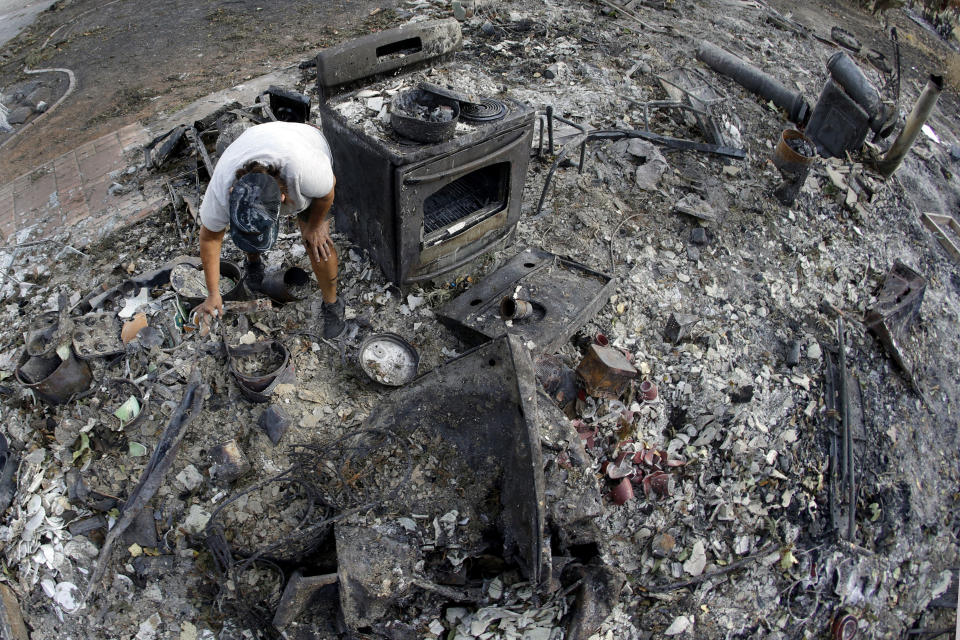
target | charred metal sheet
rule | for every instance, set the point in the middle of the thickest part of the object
(679, 326)
(897, 308)
(564, 296)
(494, 425)
(386, 51)
(372, 564)
(559, 381)
(97, 335)
(598, 594)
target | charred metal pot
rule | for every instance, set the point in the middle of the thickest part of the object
(259, 386)
(53, 378)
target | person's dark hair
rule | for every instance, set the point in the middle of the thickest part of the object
(256, 167)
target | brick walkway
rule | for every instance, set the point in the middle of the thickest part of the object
(70, 193)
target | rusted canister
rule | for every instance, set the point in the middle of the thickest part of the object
(793, 166)
(601, 339)
(56, 379)
(786, 158)
(514, 309)
(280, 285)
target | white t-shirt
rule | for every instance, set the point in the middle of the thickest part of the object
(299, 151)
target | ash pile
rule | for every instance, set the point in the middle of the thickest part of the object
(703, 389)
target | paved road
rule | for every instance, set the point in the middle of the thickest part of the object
(17, 14)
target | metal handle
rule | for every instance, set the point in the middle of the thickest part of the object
(470, 166)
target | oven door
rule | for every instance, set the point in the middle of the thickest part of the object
(454, 208)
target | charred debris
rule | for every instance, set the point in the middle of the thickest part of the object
(522, 457)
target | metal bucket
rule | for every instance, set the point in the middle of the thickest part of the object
(56, 380)
(228, 269)
(258, 388)
(786, 158)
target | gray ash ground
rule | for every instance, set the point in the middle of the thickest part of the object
(750, 427)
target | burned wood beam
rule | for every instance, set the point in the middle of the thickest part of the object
(190, 407)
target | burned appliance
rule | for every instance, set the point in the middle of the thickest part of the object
(536, 295)
(848, 109)
(420, 209)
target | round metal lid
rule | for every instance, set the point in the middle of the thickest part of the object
(436, 89)
(389, 359)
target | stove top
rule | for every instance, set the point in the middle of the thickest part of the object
(366, 111)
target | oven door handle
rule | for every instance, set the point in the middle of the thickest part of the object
(466, 168)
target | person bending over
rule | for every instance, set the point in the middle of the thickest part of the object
(270, 170)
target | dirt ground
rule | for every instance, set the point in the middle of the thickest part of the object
(744, 546)
(134, 60)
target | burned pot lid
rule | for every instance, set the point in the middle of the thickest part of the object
(437, 90)
(389, 359)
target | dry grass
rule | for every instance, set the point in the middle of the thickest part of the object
(951, 71)
(948, 62)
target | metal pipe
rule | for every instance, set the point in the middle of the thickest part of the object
(755, 80)
(515, 309)
(911, 129)
(848, 75)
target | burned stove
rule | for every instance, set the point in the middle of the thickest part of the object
(420, 209)
(538, 296)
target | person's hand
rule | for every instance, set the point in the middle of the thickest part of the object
(317, 240)
(207, 310)
(210, 308)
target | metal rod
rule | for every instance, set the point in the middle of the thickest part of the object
(176, 210)
(847, 437)
(540, 144)
(830, 397)
(201, 149)
(550, 127)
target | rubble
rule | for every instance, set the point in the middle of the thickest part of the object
(692, 499)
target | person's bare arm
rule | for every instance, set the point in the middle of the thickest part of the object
(316, 230)
(210, 244)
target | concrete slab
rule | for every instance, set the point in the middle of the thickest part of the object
(71, 193)
(17, 15)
